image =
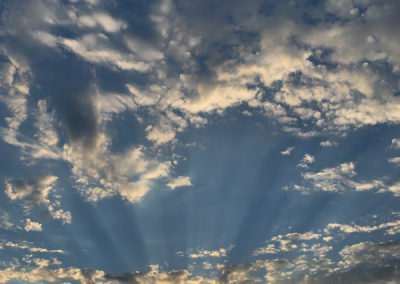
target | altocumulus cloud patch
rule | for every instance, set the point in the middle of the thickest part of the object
(199, 141)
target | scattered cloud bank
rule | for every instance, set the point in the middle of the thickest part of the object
(291, 258)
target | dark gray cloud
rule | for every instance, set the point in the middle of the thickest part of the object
(148, 277)
(388, 273)
(123, 277)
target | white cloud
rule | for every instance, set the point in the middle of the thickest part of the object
(306, 161)
(32, 226)
(37, 193)
(395, 160)
(108, 23)
(49, 275)
(95, 48)
(369, 253)
(100, 173)
(391, 228)
(395, 189)
(5, 222)
(338, 179)
(208, 253)
(269, 249)
(287, 151)
(46, 133)
(24, 245)
(179, 182)
(328, 143)
(335, 179)
(395, 143)
(160, 134)
(38, 190)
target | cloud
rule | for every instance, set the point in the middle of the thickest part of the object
(5, 222)
(101, 173)
(395, 160)
(206, 253)
(395, 143)
(338, 179)
(94, 48)
(376, 254)
(32, 226)
(24, 245)
(152, 276)
(37, 192)
(306, 161)
(45, 125)
(50, 275)
(179, 182)
(390, 228)
(102, 19)
(395, 189)
(269, 249)
(328, 143)
(286, 243)
(287, 151)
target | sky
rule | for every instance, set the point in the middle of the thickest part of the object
(203, 141)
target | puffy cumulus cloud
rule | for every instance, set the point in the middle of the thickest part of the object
(179, 182)
(32, 226)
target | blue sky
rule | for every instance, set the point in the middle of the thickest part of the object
(199, 141)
